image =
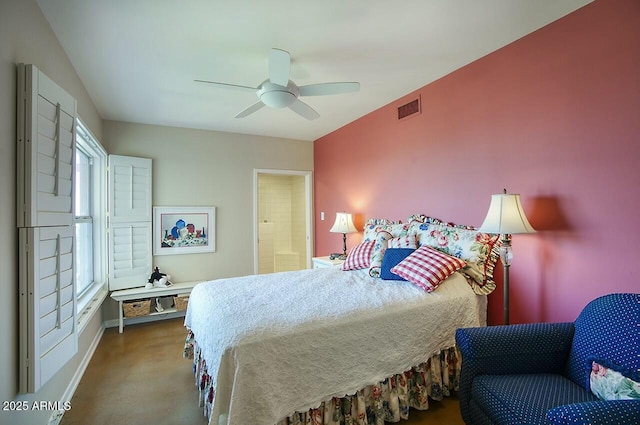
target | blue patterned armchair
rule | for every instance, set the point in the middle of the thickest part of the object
(540, 373)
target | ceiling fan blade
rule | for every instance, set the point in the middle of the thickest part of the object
(230, 86)
(249, 110)
(279, 67)
(304, 110)
(323, 89)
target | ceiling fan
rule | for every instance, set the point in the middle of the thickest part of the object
(280, 92)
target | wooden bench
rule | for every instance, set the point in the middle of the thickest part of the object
(141, 293)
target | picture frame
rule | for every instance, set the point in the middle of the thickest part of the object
(184, 230)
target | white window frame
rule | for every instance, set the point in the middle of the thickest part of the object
(84, 251)
(90, 300)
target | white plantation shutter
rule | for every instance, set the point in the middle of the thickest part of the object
(130, 256)
(130, 189)
(45, 143)
(50, 305)
(46, 146)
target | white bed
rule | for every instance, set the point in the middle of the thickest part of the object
(286, 342)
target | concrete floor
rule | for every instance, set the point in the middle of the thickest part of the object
(140, 377)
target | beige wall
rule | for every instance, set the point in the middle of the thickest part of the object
(190, 168)
(26, 37)
(198, 167)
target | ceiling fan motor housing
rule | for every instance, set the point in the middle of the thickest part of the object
(277, 96)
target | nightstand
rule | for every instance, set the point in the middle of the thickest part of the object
(320, 262)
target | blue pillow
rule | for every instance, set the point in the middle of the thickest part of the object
(392, 256)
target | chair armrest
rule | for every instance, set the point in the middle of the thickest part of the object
(529, 348)
(612, 412)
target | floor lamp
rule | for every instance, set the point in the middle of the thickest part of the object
(343, 224)
(506, 217)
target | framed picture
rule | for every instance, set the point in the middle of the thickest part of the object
(184, 230)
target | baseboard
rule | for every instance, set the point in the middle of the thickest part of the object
(56, 416)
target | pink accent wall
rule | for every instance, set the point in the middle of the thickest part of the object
(554, 116)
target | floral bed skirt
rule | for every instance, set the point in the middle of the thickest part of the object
(388, 400)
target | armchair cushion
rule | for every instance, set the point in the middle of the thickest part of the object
(503, 350)
(617, 412)
(510, 398)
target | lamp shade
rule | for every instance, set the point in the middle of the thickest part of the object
(343, 224)
(506, 216)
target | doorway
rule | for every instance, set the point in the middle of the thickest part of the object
(282, 220)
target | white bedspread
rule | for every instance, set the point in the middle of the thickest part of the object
(284, 342)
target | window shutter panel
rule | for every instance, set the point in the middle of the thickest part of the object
(45, 162)
(130, 189)
(48, 311)
(130, 255)
(46, 147)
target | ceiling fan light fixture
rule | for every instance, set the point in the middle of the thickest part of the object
(278, 98)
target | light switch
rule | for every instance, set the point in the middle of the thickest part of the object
(322, 215)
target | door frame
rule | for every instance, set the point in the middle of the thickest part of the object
(308, 184)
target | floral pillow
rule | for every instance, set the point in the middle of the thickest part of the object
(427, 268)
(379, 247)
(607, 384)
(377, 221)
(372, 228)
(420, 218)
(479, 250)
(380, 234)
(359, 257)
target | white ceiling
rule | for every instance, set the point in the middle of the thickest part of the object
(138, 58)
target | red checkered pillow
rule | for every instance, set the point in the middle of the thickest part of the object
(407, 241)
(359, 257)
(427, 267)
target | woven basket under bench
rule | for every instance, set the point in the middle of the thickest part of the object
(181, 302)
(136, 308)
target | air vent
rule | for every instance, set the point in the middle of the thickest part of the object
(409, 109)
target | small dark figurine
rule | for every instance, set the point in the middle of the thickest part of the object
(158, 279)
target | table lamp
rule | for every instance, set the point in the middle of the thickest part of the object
(343, 224)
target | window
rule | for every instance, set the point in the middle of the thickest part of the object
(83, 222)
(90, 219)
